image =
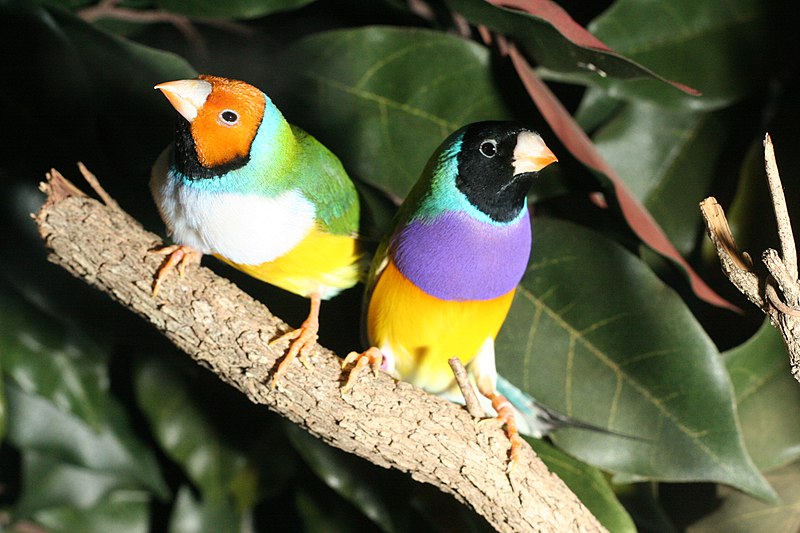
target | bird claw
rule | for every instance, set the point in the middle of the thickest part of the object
(178, 257)
(302, 340)
(372, 357)
(505, 417)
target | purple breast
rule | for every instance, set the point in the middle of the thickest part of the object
(455, 257)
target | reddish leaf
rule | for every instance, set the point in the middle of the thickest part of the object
(578, 143)
(560, 19)
(553, 14)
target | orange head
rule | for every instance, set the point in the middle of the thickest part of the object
(224, 115)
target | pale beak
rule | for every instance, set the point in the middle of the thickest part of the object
(186, 96)
(531, 154)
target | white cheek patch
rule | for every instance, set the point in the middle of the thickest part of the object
(244, 228)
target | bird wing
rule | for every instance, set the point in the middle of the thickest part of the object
(322, 179)
(378, 265)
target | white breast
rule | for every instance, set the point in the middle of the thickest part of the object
(244, 228)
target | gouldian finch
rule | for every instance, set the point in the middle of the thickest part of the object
(241, 183)
(442, 283)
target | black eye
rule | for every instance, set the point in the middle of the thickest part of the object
(489, 148)
(229, 117)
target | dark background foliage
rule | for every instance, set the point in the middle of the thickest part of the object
(104, 426)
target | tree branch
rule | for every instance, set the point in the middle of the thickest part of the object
(777, 293)
(389, 423)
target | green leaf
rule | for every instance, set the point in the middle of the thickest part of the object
(237, 9)
(391, 499)
(596, 108)
(767, 397)
(363, 484)
(560, 46)
(319, 512)
(676, 154)
(35, 423)
(53, 490)
(80, 500)
(3, 414)
(588, 484)
(123, 511)
(384, 98)
(720, 47)
(740, 513)
(188, 437)
(58, 400)
(190, 515)
(641, 500)
(45, 358)
(595, 334)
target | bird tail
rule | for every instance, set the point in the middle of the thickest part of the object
(537, 420)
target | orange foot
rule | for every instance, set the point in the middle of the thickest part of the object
(372, 357)
(303, 339)
(505, 415)
(179, 256)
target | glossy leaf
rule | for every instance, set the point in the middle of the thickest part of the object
(193, 515)
(390, 499)
(667, 159)
(320, 514)
(186, 435)
(64, 497)
(125, 511)
(720, 47)
(237, 9)
(595, 334)
(361, 483)
(397, 92)
(557, 43)
(59, 401)
(3, 416)
(641, 500)
(740, 513)
(35, 423)
(45, 358)
(767, 397)
(588, 484)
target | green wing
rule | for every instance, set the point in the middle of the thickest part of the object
(323, 180)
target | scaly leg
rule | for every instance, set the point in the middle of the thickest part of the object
(179, 256)
(303, 339)
(372, 357)
(505, 414)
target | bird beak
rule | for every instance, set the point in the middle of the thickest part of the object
(186, 96)
(531, 154)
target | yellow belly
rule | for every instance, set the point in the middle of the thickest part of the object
(423, 332)
(321, 262)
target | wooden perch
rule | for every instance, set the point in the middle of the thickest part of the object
(389, 423)
(778, 293)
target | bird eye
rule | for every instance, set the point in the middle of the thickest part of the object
(489, 148)
(228, 117)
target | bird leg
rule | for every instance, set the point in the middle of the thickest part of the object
(303, 339)
(372, 357)
(179, 256)
(505, 415)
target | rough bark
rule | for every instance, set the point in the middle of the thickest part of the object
(389, 423)
(777, 291)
